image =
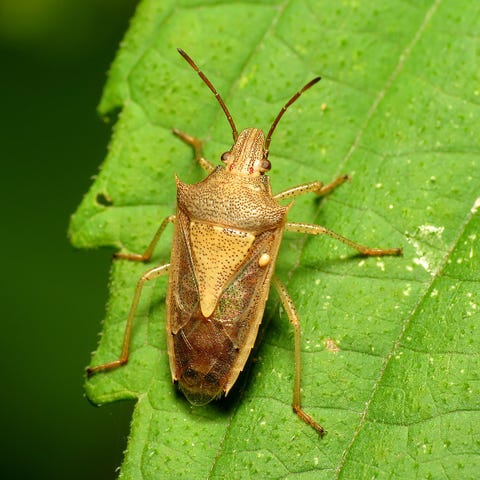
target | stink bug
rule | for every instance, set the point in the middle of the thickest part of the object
(228, 230)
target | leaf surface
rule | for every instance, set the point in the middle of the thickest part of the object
(390, 345)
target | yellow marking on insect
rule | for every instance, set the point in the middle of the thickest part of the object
(218, 253)
(264, 260)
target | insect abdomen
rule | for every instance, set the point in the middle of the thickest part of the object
(204, 357)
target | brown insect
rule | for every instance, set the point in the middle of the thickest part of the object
(228, 230)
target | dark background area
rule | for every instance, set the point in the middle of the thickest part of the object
(54, 59)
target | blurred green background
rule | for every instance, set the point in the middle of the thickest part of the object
(54, 58)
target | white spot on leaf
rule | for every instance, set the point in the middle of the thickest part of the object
(407, 290)
(476, 206)
(427, 240)
(331, 345)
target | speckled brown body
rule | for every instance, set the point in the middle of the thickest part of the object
(218, 286)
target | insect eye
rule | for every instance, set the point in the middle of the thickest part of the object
(265, 165)
(225, 157)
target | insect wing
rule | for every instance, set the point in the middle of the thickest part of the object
(207, 354)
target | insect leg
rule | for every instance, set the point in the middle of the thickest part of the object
(145, 256)
(294, 320)
(316, 187)
(319, 230)
(197, 145)
(148, 275)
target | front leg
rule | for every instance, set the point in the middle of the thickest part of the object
(316, 187)
(197, 145)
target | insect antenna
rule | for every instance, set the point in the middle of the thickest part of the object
(214, 91)
(311, 83)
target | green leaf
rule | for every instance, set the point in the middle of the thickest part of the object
(390, 345)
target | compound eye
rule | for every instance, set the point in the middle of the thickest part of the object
(225, 157)
(265, 166)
